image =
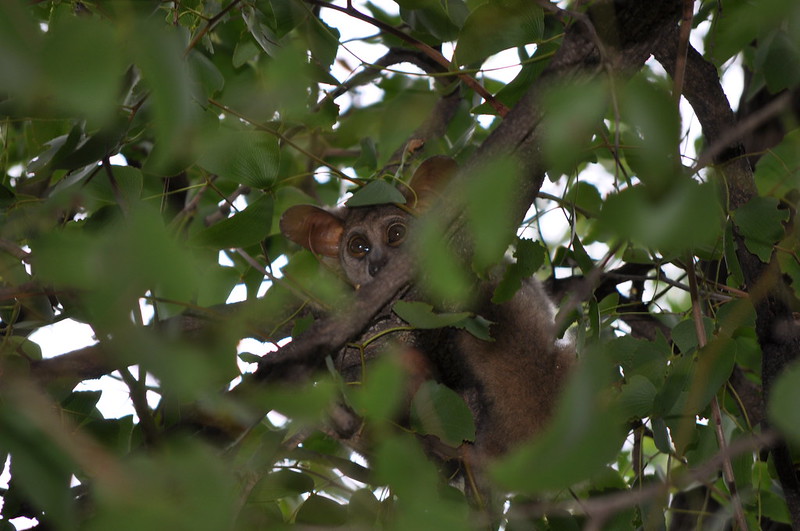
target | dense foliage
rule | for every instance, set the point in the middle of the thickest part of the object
(149, 149)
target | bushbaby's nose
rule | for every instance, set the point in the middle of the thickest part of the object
(376, 263)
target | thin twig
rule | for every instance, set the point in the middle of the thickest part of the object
(434, 54)
(727, 468)
(683, 48)
(209, 25)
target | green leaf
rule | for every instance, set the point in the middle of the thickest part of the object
(637, 395)
(715, 364)
(84, 65)
(491, 194)
(281, 484)
(247, 157)
(782, 408)
(761, 223)
(158, 52)
(245, 51)
(129, 183)
(687, 217)
(745, 23)
(574, 111)
(445, 278)
(182, 486)
(319, 510)
(381, 391)
(243, 229)
(585, 197)
(496, 26)
(661, 435)
(477, 326)
(440, 411)
(262, 33)
(655, 133)
(376, 192)
(421, 315)
(529, 256)
(778, 56)
(39, 467)
(80, 406)
(209, 79)
(587, 431)
(778, 170)
(364, 508)
(432, 19)
(684, 334)
(323, 41)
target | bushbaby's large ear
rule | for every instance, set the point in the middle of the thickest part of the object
(316, 229)
(429, 180)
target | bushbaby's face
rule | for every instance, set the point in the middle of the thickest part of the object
(371, 238)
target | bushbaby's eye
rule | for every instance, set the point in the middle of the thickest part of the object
(395, 234)
(358, 246)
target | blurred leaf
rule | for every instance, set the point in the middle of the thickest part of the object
(714, 366)
(408, 109)
(490, 195)
(688, 217)
(129, 184)
(364, 508)
(432, 19)
(778, 170)
(440, 411)
(319, 510)
(782, 407)
(323, 41)
(744, 23)
(421, 315)
(529, 256)
(761, 223)
(637, 396)
(652, 145)
(159, 54)
(376, 192)
(661, 435)
(316, 280)
(248, 157)
(40, 468)
(511, 92)
(444, 277)
(401, 464)
(304, 404)
(287, 15)
(80, 406)
(245, 51)
(185, 486)
(496, 26)
(585, 197)
(281, 484)
(259, 28)
(574, 111)
(383, 388)
(587, 430)
(208, 77)
(243, 229)
(83, 73)
(684, 334)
